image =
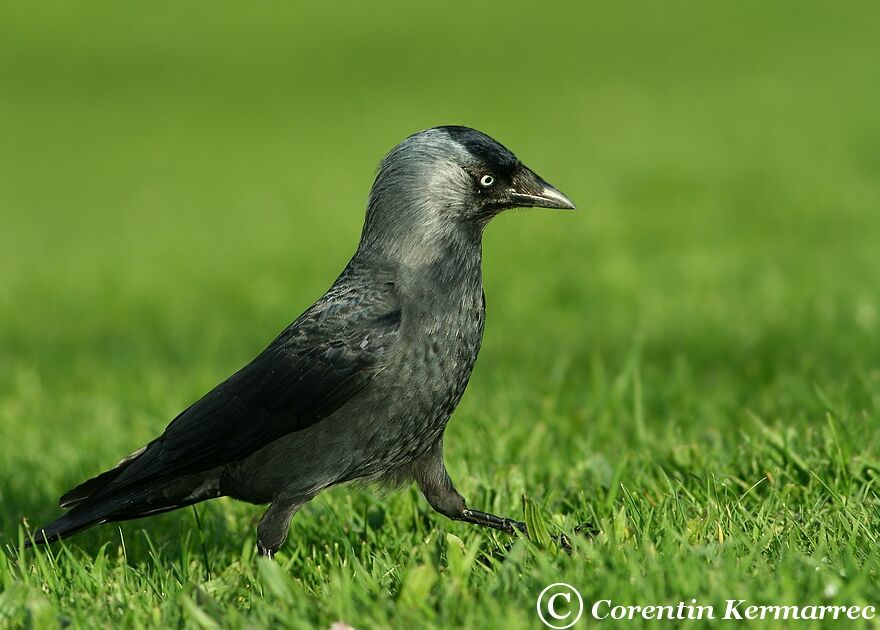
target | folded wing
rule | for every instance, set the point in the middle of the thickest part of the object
(323, 360)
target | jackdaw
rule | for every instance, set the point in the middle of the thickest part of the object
(360, 387)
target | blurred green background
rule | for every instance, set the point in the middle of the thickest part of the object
(178, 181)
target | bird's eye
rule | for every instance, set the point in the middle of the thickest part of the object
(486, 181)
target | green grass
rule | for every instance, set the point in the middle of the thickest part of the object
(691, 362)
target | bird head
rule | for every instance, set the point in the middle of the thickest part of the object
(448, 182)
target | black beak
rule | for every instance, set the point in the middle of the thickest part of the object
(530, 191)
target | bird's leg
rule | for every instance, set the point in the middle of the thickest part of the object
(275, 524)
(430, 473)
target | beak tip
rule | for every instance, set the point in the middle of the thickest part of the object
(530, 190)
(558, 199)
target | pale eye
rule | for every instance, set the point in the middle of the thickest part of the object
(486, 181)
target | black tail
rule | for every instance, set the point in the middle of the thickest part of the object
(100, 500)
(89, 488)
(67, 525)
(107, 510)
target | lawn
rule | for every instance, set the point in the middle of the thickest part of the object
(690, 362)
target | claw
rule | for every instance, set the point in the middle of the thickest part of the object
(588, 530)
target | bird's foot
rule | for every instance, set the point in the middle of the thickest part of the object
(502, 523)
(587, 530)
(513, 527)
(266, 552)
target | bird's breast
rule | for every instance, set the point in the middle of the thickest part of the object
(441, 339)
(423, 378)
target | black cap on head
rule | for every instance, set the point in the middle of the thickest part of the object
(487, 150)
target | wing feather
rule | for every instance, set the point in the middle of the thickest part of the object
(320, 362)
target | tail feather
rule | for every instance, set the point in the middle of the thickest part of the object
(83, 518)
(64, 526)
(125, 503)
(88, 488)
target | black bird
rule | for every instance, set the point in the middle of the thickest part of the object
(360, 387)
